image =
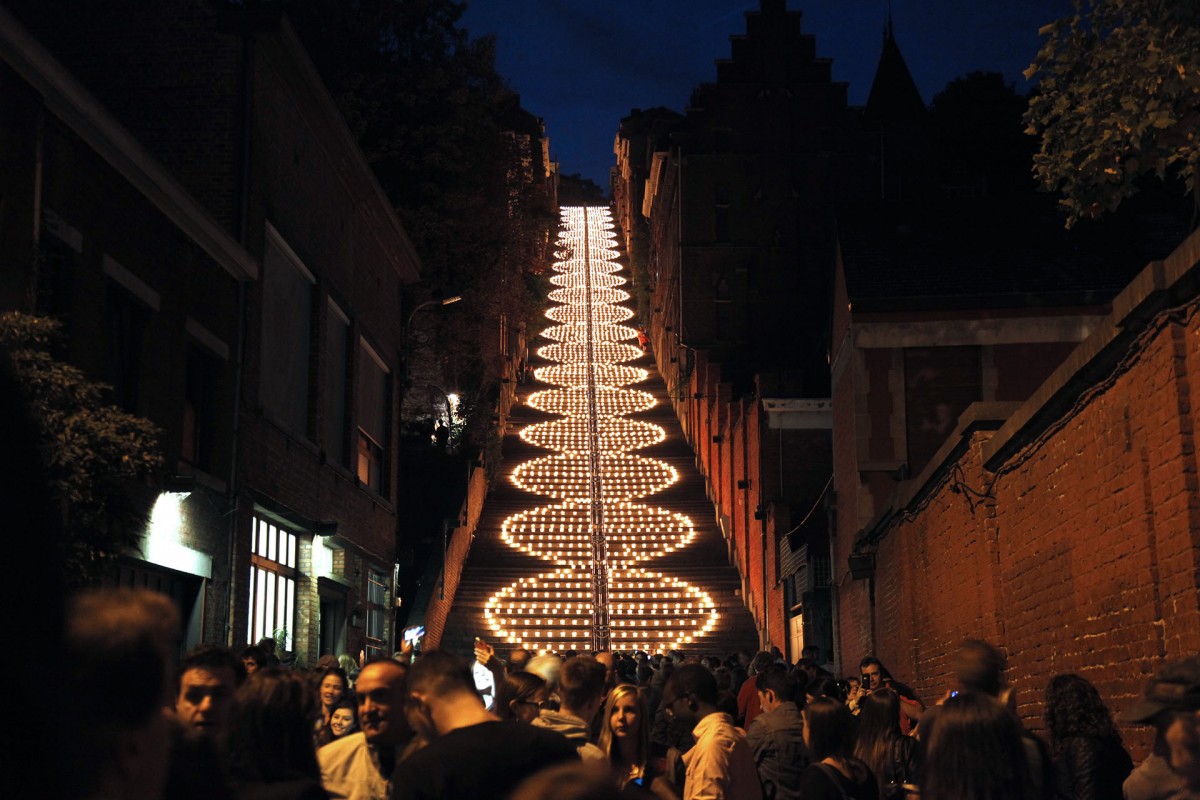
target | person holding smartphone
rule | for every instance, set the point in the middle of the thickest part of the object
(873, 675)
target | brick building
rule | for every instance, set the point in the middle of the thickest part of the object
(98, 234)
(738, 200)
(1063, 525)
(303, 468)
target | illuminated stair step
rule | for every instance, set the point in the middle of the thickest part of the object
(576, 279)
(566, 476)
(615, 433)
(577, 332)
(605, 352)
(610, 400)
(580, 296)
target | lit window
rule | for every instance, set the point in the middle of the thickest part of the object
(374, 413)
(272, 583)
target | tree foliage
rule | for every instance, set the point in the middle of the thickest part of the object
(92, 451)
(431, 114)
(1118, 99)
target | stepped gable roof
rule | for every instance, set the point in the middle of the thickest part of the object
(894, 95)
(772, 53)
(932, 264)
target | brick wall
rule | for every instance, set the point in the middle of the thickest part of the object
(1066, 530)
(456, 556)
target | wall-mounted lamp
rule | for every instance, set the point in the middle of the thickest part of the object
(179, 486)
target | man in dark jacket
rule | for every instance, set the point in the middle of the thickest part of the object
(776, 736)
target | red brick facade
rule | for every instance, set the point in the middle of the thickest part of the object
(1065, 528)
(456, 555)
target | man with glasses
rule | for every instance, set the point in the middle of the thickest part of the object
(720, 766)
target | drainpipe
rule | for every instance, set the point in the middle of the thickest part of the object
(243, 225)
(766, 598)
(831, 526)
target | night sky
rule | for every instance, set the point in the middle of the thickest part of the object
(582, 66)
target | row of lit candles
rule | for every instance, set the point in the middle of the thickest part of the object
(634, 532)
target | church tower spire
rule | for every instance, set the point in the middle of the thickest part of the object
(894, 94)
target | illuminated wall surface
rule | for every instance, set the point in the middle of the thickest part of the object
(595, 475)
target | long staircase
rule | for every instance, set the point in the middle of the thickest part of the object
(607, 495)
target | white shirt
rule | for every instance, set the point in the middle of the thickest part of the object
(721, 765)
(350, 770)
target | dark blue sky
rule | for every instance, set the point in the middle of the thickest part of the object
(583, 65)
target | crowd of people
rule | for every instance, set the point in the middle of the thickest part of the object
(585, 726)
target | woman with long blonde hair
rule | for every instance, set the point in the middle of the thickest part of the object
(625, 733)
(625, 736)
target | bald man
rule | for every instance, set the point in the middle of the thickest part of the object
(359, 766)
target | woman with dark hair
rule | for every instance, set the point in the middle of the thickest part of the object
(974, 752)
(1090, 761)
(253, 658)
(267, 744)
(333, 687)
(835, 773)
(522, 696)
(892, 756)
(344, 718)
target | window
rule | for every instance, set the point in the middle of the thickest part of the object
(376, 612)
(374, 413)
(272, 583)
(127, 320)
(286, 331)
(722, 137)
(198, 409)
(721, 204)
(939, 384)
(336, 344)
(55, 270)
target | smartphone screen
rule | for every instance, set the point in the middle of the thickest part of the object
(485, 684)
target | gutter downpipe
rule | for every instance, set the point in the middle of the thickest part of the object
(243, 224)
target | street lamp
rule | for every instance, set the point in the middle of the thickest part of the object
(443, 302)
(408, 350)
(408, 328)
